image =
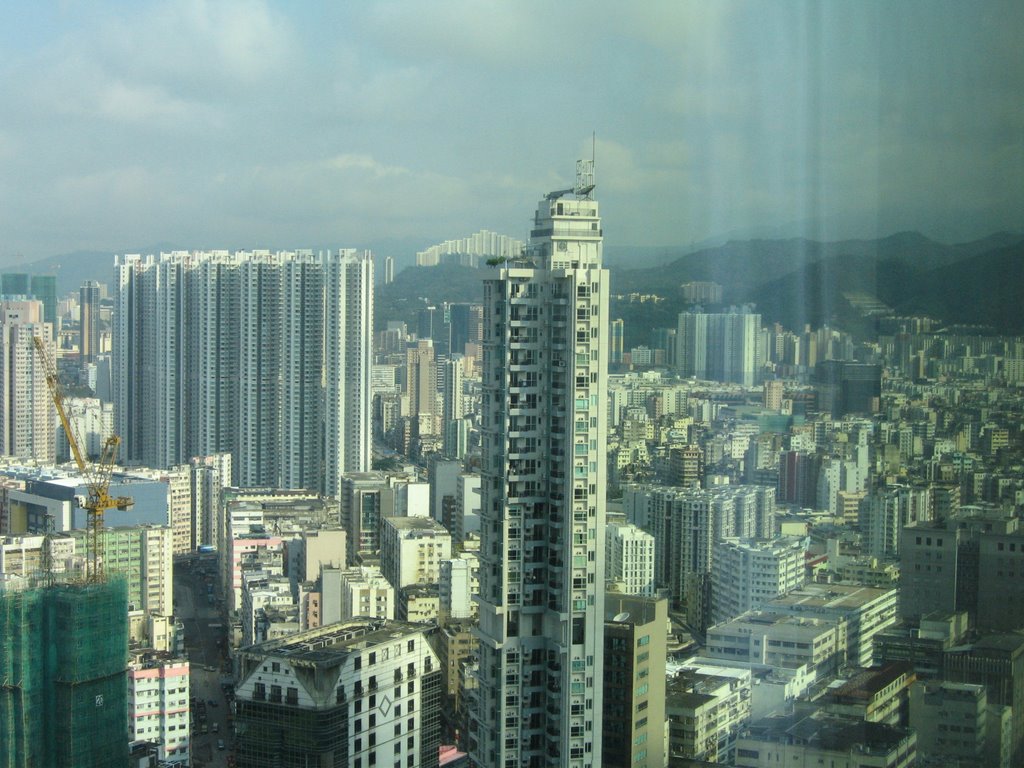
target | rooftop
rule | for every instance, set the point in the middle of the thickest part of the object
(331, 643)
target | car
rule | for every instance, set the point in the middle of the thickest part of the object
(220, 743)
(216, 727)
(211, 702)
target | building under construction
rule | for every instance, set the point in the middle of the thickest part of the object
(63, 691)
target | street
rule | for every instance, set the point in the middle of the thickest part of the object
(199, 613)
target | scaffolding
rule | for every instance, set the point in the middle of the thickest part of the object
(63, 692)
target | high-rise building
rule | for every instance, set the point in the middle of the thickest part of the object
(63, 655)
(617, 340)
(44, 288)
(635, 653)
(630, 559)
(158, 708)
(14, 284)
(746, 574)
(89, 321)
(27, 418)
(421, 380)
(542, 493)
(228, 353)
(720, 347)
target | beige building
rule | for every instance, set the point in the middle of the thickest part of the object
(706, 713)
(411, 550)
(635, 634)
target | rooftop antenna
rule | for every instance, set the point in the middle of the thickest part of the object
(585, 173)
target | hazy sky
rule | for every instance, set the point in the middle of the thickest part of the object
(263, 124)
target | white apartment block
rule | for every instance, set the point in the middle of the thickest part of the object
(630, 559)
(361, 693)
(746, 574)
(458, 586)
(778, 640)
(28, 421)
(158, 708)
(218, 352)
(861, 612)
(542, 514)
(412, 549)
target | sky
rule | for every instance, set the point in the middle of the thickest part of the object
(349, 124)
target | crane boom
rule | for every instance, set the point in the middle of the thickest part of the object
(97, 477)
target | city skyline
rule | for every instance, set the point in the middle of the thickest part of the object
(262, 125)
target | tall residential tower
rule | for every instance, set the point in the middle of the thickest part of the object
(262, 355)
(542, 487)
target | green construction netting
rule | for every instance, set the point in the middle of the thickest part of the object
(63, 654)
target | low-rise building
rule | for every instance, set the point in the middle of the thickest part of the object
(779, 640)
(706, 713)
(822, 739)
(879, 694)
(358, 693)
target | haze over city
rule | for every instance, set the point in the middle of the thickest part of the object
(227, 125)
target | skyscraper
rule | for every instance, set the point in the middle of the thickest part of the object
(721, 346)
(542, 486)
(27, 419)
(218, 352)
(89, 321)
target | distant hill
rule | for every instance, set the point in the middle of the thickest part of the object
(792, 281)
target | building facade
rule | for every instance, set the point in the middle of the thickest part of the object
(354, 695)
(228, 352)
(544, 434)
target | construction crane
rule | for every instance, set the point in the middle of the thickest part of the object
(96, 476)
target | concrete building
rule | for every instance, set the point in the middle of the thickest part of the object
(356, 592)
(878, 695)
(89, 321)
(629, 559)
(886, 511)
(686, 523)
(706, 713)
(997, 662)
(418, 603)
(357, 693)
(746, 574)
(720, 347)
(542, 519)
(634, 681)
(972, 562)
(158, 706)
(144, 557)
(821, 739)
(778, 640)
(215, 352)
(28, 421)
(459, 585)
(412, 549)
(861, 612)
(955, 722)
(369, 497)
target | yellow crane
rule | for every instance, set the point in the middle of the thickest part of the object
(96, 476)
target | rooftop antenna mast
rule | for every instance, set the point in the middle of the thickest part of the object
(585, 173)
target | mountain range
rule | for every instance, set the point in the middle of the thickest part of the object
(791, 281)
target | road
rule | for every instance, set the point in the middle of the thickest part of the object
(203, 632)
